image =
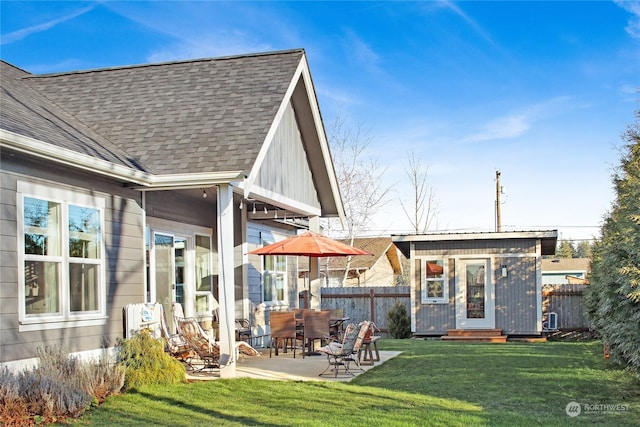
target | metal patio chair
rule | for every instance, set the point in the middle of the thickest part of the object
(341, 354)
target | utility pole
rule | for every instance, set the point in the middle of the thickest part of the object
(498, 191)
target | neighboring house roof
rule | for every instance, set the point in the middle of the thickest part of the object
(566, 265)
(547, 238)
(379, 247)
(573, 280)
(170, 122)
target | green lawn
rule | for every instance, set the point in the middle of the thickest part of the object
(431, 383)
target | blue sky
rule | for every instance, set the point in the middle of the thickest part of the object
(541, 91)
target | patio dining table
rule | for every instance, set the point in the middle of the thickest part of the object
(335, 329)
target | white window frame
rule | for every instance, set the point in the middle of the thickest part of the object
(285, 290)
(66, 318)
(424, 299)
(188, 231)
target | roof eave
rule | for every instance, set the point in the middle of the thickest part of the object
(548, 238)
(134, 178)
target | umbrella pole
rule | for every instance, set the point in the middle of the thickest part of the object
(308, 299)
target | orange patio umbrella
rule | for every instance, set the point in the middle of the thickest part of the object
(434, 269)
(310, 244)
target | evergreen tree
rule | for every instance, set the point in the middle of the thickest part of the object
(565, 249)
(399, 321)
(583, 249)
(613, 298)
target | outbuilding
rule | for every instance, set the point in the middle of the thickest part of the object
(477, 285)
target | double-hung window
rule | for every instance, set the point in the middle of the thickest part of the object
(433, 284)
(61, 251)
(274, 278)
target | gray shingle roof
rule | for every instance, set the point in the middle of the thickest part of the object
(566, 264)
(204, 115)
(25, 112)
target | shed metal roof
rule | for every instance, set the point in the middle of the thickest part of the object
(548, 238)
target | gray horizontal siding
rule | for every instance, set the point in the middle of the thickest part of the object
(124, 263)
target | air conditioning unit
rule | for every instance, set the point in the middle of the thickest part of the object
(142, 316)
(552, 322)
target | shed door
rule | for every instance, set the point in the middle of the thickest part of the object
(475, 308)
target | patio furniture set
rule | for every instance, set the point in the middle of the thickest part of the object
(343, 345)
(192, 342)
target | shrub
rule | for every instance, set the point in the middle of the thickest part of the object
(399, 321)
(145, 362)
(60, 386)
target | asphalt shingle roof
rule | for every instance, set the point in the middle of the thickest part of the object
(25, 112)
(206, 115)
(566, 264)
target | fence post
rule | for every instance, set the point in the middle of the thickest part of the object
(373, 303)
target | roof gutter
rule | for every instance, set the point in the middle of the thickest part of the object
(549, 234)
(135, 178)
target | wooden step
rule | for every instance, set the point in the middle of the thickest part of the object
(474, 332)
(475, 338)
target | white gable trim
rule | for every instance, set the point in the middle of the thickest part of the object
(303, 72)
(268, 140)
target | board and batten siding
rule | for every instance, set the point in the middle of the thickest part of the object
(517, 303)
(256, 233)
(287, 149)
(124, 258)
(516, 299)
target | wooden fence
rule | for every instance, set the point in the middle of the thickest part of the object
(366, 303)
(568, 302)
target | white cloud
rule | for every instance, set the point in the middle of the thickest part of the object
(208, 46)
(633, 26)
(473, 24)
(26, 32)
(519, 123)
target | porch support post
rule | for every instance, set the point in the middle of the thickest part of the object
(315, 281)
(226, 282)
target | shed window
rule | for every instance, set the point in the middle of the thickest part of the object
(62, 255)
(433, 281)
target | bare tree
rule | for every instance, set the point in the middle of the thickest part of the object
(422, 209)
(359, 178)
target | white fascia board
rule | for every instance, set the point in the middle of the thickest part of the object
(191, 180)
(37, 148)
(282, 202)
(142, 180)
(475, 236)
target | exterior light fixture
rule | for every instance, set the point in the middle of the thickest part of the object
(503, 271)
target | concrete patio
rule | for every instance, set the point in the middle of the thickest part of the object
(285, 367)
